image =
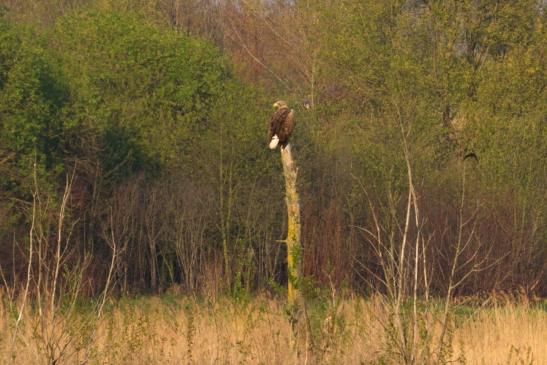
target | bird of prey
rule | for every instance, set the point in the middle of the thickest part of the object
(281, 125)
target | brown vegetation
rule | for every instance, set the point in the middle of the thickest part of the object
(171, 330)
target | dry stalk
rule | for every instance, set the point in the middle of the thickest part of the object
(29, 264)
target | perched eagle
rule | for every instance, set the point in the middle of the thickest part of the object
(281, 125)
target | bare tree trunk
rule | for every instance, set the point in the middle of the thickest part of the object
(294, 246)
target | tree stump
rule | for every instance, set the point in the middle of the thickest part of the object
(294, 247)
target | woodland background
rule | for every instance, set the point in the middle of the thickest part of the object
(133, 142)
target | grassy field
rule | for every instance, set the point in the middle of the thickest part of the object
(179, 330)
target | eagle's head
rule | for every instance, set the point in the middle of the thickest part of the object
(280, 104)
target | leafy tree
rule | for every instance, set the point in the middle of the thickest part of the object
(33, 98)
(138, 85)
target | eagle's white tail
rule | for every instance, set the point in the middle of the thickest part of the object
(274, 142)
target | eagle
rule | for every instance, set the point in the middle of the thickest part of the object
(281, 125)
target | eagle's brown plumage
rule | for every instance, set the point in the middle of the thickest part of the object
(281, 125)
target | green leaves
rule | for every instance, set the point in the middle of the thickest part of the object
(117, 92)
(159, 83)
(32, 98)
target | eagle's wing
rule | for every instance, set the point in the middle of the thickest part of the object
(288, 125)
(277, 122)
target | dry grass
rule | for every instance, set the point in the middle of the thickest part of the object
(172, 330)
(510, 334)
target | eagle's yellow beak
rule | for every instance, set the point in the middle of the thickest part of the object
(275, 105)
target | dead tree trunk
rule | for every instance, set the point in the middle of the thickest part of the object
(294, 247)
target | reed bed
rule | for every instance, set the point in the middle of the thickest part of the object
(182, 330)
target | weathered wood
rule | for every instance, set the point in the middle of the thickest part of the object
(294, 247)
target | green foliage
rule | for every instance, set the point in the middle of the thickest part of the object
(32, 99)
(10, 43)
(129, 75)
